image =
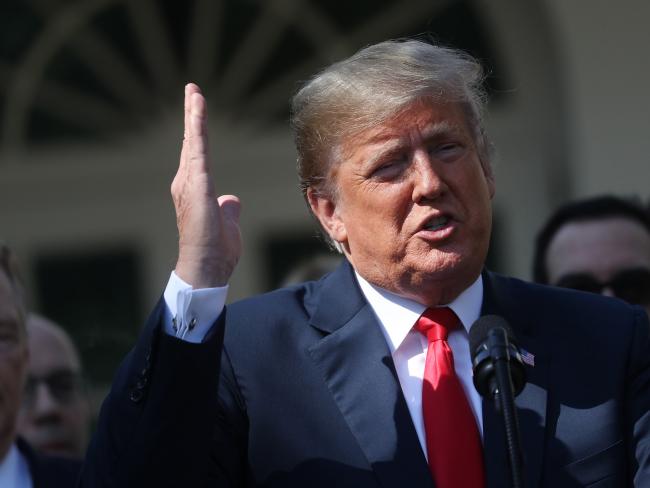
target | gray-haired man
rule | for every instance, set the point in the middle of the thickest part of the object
(331, 383)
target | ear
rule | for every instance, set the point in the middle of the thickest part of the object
(327, 211)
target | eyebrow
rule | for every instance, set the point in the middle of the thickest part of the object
(381, 151)
(438, 129)
(429, 131)
(390, 142)
(591, 275)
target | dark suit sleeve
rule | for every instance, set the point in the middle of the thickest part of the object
(638, 401)
(163, 423)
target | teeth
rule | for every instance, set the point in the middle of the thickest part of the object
(436, 223)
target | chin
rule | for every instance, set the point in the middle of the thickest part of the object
(453, 269)
(439, 264)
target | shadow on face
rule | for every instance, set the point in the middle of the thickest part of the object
(610, 256)
(412, 209)
(54, 417)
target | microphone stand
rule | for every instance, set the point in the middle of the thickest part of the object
(499, 350)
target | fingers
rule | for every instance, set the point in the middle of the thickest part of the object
(198, 116)
(197, 141)
(190, 89)
(194, 154)
(230, 207)
(195, 111)
(208, 227)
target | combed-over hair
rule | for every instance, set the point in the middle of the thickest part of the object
(372, 86)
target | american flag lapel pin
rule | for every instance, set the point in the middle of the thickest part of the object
(527, 357)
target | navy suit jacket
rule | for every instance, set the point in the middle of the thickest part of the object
(49, 471)
(297, 388)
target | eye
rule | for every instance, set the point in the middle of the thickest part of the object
(391, 168)
(447, 151)
(9, 335)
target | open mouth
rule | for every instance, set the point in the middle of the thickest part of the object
(436, 223)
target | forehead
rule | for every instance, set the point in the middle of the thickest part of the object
(50, 350)
(600, 247)
(424, 118)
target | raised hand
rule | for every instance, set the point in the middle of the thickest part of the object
(209, 242)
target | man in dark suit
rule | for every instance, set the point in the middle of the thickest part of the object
(364, 377)
(20, 466)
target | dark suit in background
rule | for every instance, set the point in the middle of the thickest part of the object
(49, 471)
(305, 394)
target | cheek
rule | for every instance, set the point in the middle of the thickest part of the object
(383, 224)
(19, 366)
(12, 380)
(375, 213)
(392, 206)
(477, 193)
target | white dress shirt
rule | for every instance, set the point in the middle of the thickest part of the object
(14, 471)
(408, 347)
(190, 314)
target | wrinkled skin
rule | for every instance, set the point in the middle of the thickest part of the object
(419, 169)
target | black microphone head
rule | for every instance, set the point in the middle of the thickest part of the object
(484, 331)
(478, 333)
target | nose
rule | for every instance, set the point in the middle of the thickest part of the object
(428, 183)
(44, 403)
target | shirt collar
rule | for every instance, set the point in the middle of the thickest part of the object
(397, 314)
(14, 470)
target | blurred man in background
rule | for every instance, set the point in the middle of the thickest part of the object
(54, 417)
(599, 245)
(20, 466)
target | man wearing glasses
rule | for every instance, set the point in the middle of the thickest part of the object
(20, 466)
(54, 417)
(600, 245)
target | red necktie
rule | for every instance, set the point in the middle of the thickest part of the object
(453, 441)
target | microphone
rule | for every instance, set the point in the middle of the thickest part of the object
(499, 374)
(491, 341)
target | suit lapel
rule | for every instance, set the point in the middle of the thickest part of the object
(500, 298)
(358, 369)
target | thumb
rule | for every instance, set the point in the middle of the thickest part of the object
(230, 207)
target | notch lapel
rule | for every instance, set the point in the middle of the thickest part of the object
(357, 367)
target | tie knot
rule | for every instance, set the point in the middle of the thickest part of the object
(436, 323)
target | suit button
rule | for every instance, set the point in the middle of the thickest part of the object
(136, 395)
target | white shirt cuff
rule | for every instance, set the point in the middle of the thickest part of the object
(190, 313)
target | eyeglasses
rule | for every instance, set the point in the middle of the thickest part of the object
(631, 285)
(64, 386)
